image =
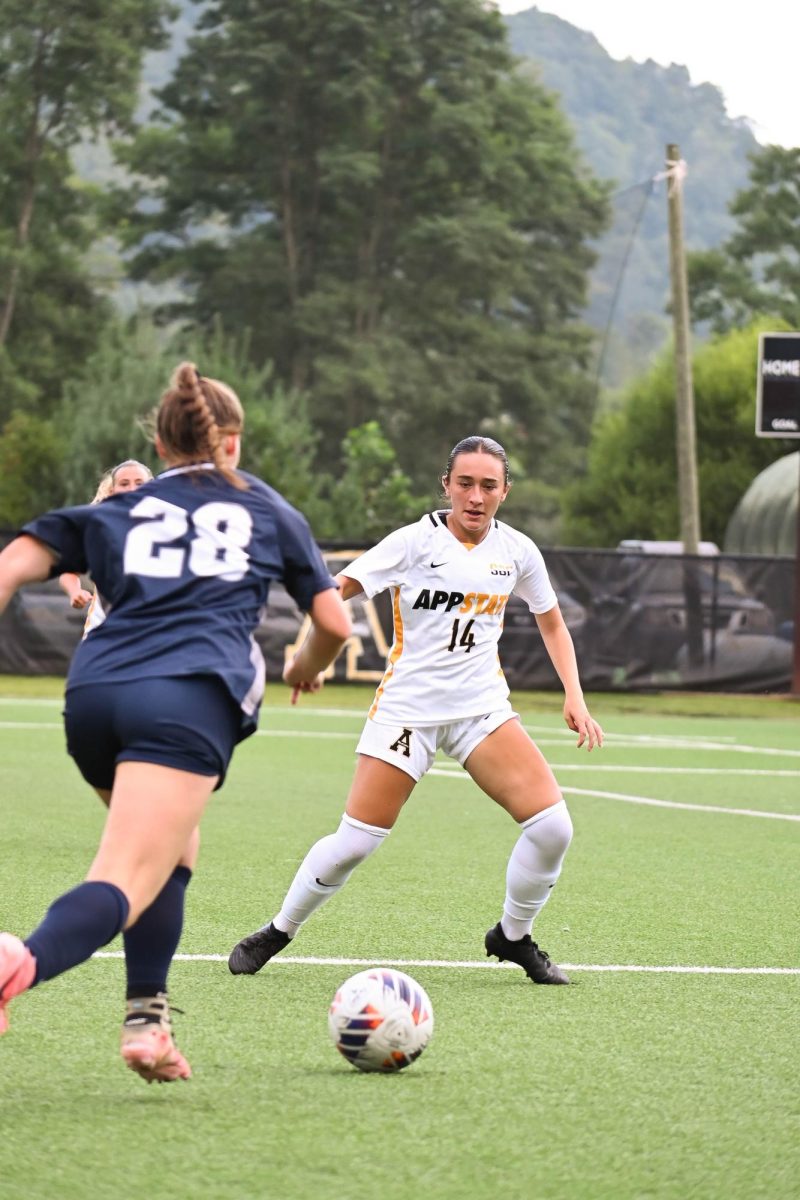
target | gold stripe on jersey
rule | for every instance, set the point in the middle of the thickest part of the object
(396, 651)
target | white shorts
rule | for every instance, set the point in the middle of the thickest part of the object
(413, 748)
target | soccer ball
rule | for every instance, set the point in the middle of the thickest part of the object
(380, 1020)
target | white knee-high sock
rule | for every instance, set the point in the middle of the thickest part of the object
(326, 869)
(534, 867)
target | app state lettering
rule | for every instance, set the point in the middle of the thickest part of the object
(479, 603)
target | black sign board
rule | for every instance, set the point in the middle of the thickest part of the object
(778, 389)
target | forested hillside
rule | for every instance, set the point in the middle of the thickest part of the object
(623, 114)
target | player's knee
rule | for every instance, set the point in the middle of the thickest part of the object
(550, 831)
(335, 857)
(355, 841)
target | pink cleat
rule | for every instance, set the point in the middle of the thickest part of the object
(147, 1046)
(17, 971)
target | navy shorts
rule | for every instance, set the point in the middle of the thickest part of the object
(191, 723)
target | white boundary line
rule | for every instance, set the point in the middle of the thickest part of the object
(787, 773)
(647, 800)
(444, 769)
(644, 738)
(777, 772)
(630, 968)
(31, 725)
(445, 772)
(331, 735)
(702, 808)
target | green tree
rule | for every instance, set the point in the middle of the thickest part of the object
(757, 271)
(397, 216)
(31, 456)
(67, 71)
(373, 496)
(630, 488)
(279, 440)
(107, 410)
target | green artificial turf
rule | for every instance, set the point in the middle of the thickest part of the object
(629, 1085)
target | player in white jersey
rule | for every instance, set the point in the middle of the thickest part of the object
(126, 476)
(450, 576)
(449, 600)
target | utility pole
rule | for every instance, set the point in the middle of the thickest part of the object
(688, 497)
(684, 395)
(796, 659)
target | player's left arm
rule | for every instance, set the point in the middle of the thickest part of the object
(561, 649)
(25, 560)
(329, 630)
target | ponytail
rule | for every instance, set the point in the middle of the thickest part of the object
(194, 416)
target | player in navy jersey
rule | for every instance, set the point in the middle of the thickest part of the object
(159, 694)
(450, 576)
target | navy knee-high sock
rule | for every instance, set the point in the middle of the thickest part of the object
(75, 925)
(151, 943)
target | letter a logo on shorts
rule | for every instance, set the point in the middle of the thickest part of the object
(405, 741)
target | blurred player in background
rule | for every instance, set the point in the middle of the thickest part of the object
(451, 575)
(124, 477)
(160, 693)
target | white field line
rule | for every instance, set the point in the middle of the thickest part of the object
(444, 769)
(628, 742)
(32, 725)
(550, 742)
(729, 748)
(330, 735)
(628, 767)
(358, 715)
(468, 965)
(623, 742)
(700, 808)
(558, 737)
(619, 744)
(645, 738)
(703, 808)
(289, 733)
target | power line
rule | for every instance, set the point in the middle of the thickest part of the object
(647, 187)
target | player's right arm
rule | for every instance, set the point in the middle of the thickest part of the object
(383, 566)
(75, 591)
(25, 560)
(348, 587)
(559, 645)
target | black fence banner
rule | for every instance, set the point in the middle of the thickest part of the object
(630, 615)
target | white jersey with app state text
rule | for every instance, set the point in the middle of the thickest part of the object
(448, 601)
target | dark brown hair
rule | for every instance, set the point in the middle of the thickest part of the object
(194, 416)
(480, 445)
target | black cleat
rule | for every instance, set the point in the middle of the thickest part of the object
(534, 962)
(250, 954)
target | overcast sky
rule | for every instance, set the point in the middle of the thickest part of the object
(750, 51)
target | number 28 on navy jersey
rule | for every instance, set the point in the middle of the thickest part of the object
(448, 601)
(182, 567)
